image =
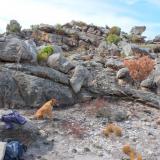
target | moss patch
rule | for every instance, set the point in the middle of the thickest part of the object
(44, 53)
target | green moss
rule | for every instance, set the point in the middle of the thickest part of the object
(44, 53)
(115, 30)
(113, 38)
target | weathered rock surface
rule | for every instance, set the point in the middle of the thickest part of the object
(15, 50)
(23, 90)
(134, 50)
(138, 30)
(123, 73)
(78, 78)
(58, 62)
(114, 63)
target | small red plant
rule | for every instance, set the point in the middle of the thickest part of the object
(75, 128)
(140, 68)
(94, 106)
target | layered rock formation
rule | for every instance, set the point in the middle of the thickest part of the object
(83, 65)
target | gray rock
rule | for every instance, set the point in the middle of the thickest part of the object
(43, 27)
(114, 63)
(122, 73)
(103, 49)
(147, 83)
(138, 30)
(133, 50)
(58, 62)
(157, 39)
(16, 50)
(78, 78)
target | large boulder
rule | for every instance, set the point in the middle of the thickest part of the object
(60, 63)
(14, 49)
(138, 30)
(78, 78)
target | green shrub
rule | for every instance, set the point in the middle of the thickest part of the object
(115, 30)
(59, 29)
(44, 53)
(113, 38)
(13, 27)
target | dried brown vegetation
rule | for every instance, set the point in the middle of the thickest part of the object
(112, 128)
(140, 68)
(74, 128)
(94, 106)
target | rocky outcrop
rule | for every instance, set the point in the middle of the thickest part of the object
(105, 85)
(13, 27)
(90, 68)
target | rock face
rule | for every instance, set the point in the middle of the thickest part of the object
(15, 50)
(82, 66)
(138, 30)
(114, 63)
(20, 89)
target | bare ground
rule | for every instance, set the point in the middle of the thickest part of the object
(76, 133)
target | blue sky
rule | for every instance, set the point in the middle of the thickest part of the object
(123, 13)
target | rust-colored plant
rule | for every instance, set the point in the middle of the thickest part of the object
(94, 106)
(140, 68)
(75, 128)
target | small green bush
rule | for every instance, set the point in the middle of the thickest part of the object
(115, 30)
(44, 53)
(113, 38)
(13, 27)
(58, 29)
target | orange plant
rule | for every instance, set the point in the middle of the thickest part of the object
(140, 68)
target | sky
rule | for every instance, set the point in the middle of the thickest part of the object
(122, 13)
